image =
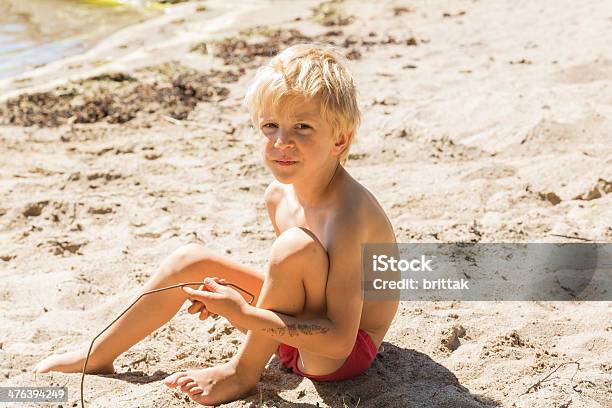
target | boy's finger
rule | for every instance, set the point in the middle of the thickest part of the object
(195, 307)
(213, 285)
(200, 288)
(204, 315)
(194, 294)
(202, 296)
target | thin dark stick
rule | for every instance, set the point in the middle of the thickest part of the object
(572, 237)
(536, 386)
(179, 285)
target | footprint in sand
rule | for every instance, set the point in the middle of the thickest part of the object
(598, 70)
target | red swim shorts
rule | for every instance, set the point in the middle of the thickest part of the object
(357, 362)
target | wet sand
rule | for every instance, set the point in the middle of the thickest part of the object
(36, 32)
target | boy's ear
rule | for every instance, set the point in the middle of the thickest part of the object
(343, 139)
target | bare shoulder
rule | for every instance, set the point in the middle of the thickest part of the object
(360, 215)
(273, 196)
(274, 193)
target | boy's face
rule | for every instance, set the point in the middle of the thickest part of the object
(298, 142)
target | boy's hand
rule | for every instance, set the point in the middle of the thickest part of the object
(216, 299)
(199, 307)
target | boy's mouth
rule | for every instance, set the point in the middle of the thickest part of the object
(285, 162)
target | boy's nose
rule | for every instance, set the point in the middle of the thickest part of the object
(282, 140)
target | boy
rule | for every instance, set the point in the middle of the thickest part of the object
(309, 308)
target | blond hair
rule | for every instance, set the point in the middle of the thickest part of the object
(308, 71)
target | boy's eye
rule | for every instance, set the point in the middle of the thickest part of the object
(268, 128)
(302, 126)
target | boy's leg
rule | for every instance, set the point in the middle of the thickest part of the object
(295, 283)
(189, 263)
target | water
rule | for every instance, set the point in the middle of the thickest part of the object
(36, 32)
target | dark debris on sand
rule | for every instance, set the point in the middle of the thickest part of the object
(249, 45)
(247, 49)
(169, 89)
(331, 13)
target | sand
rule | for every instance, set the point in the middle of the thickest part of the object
(483, 122)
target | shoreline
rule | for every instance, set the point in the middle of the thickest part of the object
(157, 40)
(34, 33)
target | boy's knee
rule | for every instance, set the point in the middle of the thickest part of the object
(185, 256)
(297, 249)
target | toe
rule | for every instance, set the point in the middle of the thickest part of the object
(195, 391)
(171, 380)
(184, 380)
(186, 387)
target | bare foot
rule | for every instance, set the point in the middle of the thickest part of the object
(213, 386)
(72, 362)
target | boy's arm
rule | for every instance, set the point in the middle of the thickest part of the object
(332, 335)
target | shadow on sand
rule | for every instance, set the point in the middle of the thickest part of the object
(398, 378)
(137, 377)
